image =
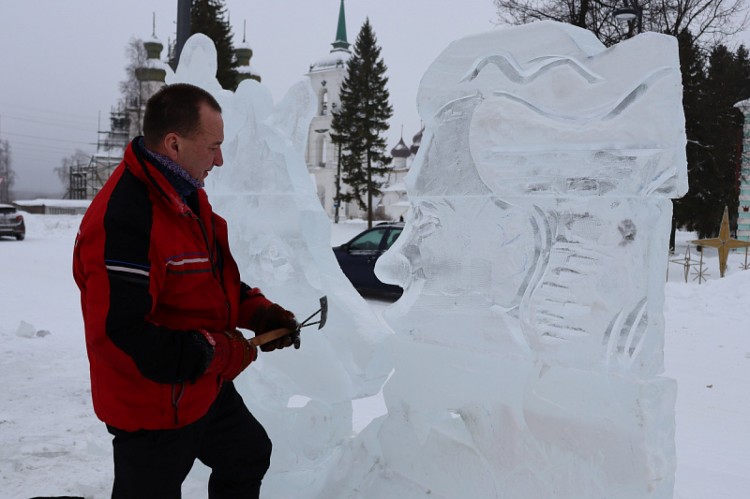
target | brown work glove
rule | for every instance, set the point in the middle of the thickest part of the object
(232, 353)
(276, 317)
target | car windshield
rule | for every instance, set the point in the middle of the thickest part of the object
(6, 210)
(368, 241)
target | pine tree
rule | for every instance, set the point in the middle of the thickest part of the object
(719, 184)
(362, 118)
(743, 68)
(714, 132)
(209, 17)
(692, 67)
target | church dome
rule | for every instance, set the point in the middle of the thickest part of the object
(335, 59)
(401, 150)
(416, 141)
(339, 54)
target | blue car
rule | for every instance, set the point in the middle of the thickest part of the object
(357, 259)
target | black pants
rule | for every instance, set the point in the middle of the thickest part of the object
(228, 439)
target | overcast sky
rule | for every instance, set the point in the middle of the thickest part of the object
(61, 60)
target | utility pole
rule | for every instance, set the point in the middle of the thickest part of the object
(4, 170)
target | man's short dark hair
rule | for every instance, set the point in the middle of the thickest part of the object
(175, 108)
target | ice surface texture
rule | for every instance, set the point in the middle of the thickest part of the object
(528, 343)
(529, 340)
(280, 237)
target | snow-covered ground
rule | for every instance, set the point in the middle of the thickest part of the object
(52, 444)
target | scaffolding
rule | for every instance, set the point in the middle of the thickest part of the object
(86, 180)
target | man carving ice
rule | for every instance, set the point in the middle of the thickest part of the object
(161, 298)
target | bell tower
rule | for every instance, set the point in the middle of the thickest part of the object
(326, 76)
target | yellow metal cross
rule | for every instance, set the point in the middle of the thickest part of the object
(723, 243)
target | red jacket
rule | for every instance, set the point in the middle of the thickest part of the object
(152, 273)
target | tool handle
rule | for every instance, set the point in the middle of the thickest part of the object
(269, 336)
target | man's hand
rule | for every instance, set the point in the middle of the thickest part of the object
(276, 317)
(232, 353)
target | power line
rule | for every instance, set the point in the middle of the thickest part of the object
(46, 138)
(29, 146)
(47, 111)
(60, 124)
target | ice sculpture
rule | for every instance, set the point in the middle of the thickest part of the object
(280, 237)
(529, 340)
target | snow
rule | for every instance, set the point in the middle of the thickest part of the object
(335, 58)
(51, 443)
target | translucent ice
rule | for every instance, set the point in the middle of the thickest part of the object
(280, 237)
(529, 338)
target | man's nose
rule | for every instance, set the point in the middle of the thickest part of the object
(218, 158)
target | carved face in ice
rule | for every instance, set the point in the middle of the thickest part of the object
(442, 254)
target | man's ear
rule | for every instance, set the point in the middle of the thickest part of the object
(171, 145)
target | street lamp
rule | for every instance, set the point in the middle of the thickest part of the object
(630, 11)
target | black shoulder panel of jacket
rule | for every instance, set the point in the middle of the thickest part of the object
(161, 354)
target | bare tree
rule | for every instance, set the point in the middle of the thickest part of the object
(78, 159)
(130, 87)
(7, 175)
(709, 21)
(705, 19)
(593, 15)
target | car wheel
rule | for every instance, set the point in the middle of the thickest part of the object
(19, 237)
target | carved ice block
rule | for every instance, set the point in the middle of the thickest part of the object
(529, 340)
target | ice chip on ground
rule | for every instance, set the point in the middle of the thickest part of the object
(529, 339)
(25, 330)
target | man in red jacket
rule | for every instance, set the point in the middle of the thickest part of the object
(162, 300)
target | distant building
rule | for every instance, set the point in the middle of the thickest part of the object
(126, 121)
(243, 53)
(395, 202)
(322, 156)
(743, 215)
(43, 206)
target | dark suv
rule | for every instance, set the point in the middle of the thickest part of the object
(357, 258)
(11, 222)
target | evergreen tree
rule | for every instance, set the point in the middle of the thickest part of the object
(209, 17)
(742, 61)
(692, 67)
(718, 184)
(714, 133)
(362, 118)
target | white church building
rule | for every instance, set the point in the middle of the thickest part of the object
(322, 155)
(326, 76)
